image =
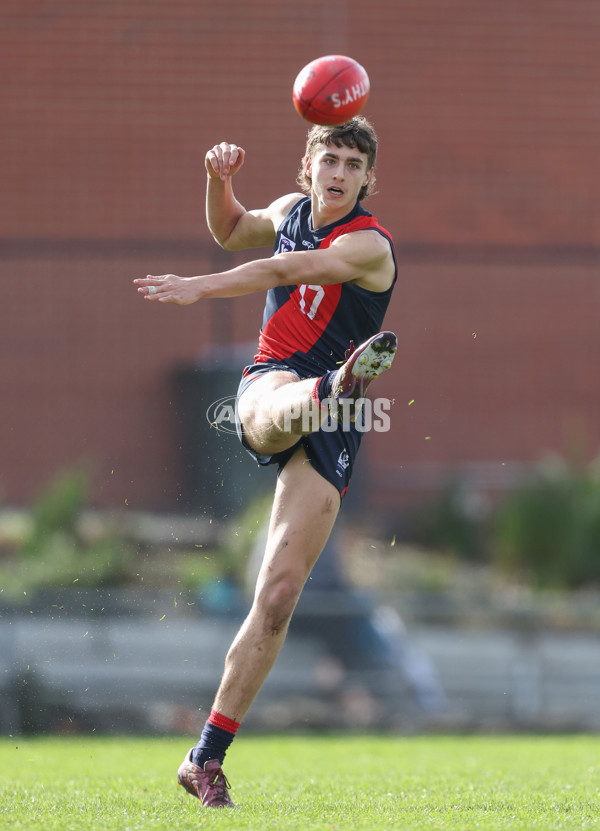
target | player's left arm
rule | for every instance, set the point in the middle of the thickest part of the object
(368, 253)
(363, 257)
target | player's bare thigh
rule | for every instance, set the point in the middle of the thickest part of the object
(262, 407)
(304, 511)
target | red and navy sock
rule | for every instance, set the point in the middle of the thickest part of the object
(219, 731)
(323, 386)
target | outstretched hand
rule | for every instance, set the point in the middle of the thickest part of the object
(169, 288)
(224, 160)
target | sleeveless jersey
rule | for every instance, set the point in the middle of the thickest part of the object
(309, 327)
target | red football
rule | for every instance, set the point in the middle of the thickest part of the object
(331, 90)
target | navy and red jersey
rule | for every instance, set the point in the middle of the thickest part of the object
(309, 327)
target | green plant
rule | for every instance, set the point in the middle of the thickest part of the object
(56, 510)
(55, 554)
(549, 529)
(453, 520)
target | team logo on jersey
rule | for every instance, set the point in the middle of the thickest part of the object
(342, 463)
(285, 245)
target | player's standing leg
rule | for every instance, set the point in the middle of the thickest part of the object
(304, 511)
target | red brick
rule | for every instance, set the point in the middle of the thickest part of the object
(490, 140)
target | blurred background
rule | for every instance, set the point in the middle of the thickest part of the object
(461, 586)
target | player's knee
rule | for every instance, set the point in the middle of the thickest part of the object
(277, 602)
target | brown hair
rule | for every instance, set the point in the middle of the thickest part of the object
(357, 132)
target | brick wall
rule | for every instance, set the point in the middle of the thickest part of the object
(488, 179)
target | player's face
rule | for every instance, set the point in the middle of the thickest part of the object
(337, 175)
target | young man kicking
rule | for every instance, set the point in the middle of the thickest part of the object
(328, 286)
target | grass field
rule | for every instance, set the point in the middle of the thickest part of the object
(337, 783)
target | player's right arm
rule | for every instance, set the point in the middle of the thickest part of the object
(232, 226)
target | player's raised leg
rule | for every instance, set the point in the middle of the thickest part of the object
(278, 408)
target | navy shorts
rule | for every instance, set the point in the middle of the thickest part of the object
(330, 452)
